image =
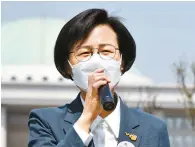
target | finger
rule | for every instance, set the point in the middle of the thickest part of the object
(100, 74)
(99, 70)
(97, 84)
(103, 77)
(111, 86)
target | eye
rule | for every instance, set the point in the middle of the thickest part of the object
(85, 53)
(106, 50)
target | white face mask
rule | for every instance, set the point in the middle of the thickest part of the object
(82, 69)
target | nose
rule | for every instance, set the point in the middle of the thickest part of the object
(95, 50)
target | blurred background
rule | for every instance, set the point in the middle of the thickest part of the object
(161, 82)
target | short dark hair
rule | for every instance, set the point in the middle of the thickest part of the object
(77, 30)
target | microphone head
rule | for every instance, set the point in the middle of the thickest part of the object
(108, 106)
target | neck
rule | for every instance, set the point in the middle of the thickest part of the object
(103, 113)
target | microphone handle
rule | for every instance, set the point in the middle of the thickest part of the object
(106, 98)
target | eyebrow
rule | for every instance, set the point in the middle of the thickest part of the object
(98, 45)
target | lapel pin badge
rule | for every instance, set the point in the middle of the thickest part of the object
(133, 137)
(127, 134)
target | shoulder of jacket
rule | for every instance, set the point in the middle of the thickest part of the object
(149, 119)
(49, 111)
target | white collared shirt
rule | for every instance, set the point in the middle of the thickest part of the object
(103, 131)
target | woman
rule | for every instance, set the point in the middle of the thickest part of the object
(93, 49)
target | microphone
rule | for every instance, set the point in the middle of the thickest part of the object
(106, 98)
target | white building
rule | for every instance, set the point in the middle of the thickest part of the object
(30, 80)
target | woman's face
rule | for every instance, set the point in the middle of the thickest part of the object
(102, 34)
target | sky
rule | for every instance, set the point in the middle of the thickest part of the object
(164, 32)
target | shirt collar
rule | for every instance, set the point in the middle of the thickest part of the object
(113, 119)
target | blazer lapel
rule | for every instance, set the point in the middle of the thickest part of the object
(129, 125)
(75, 109)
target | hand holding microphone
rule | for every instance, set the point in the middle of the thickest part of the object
(96, 97)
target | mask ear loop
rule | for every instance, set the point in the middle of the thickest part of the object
(71, 67)
(121, 58)
(70, 64)
(121, 62)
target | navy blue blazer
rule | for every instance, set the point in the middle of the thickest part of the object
(53, 127)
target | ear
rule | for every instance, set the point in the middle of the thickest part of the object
(121, 69)
(122, 66)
